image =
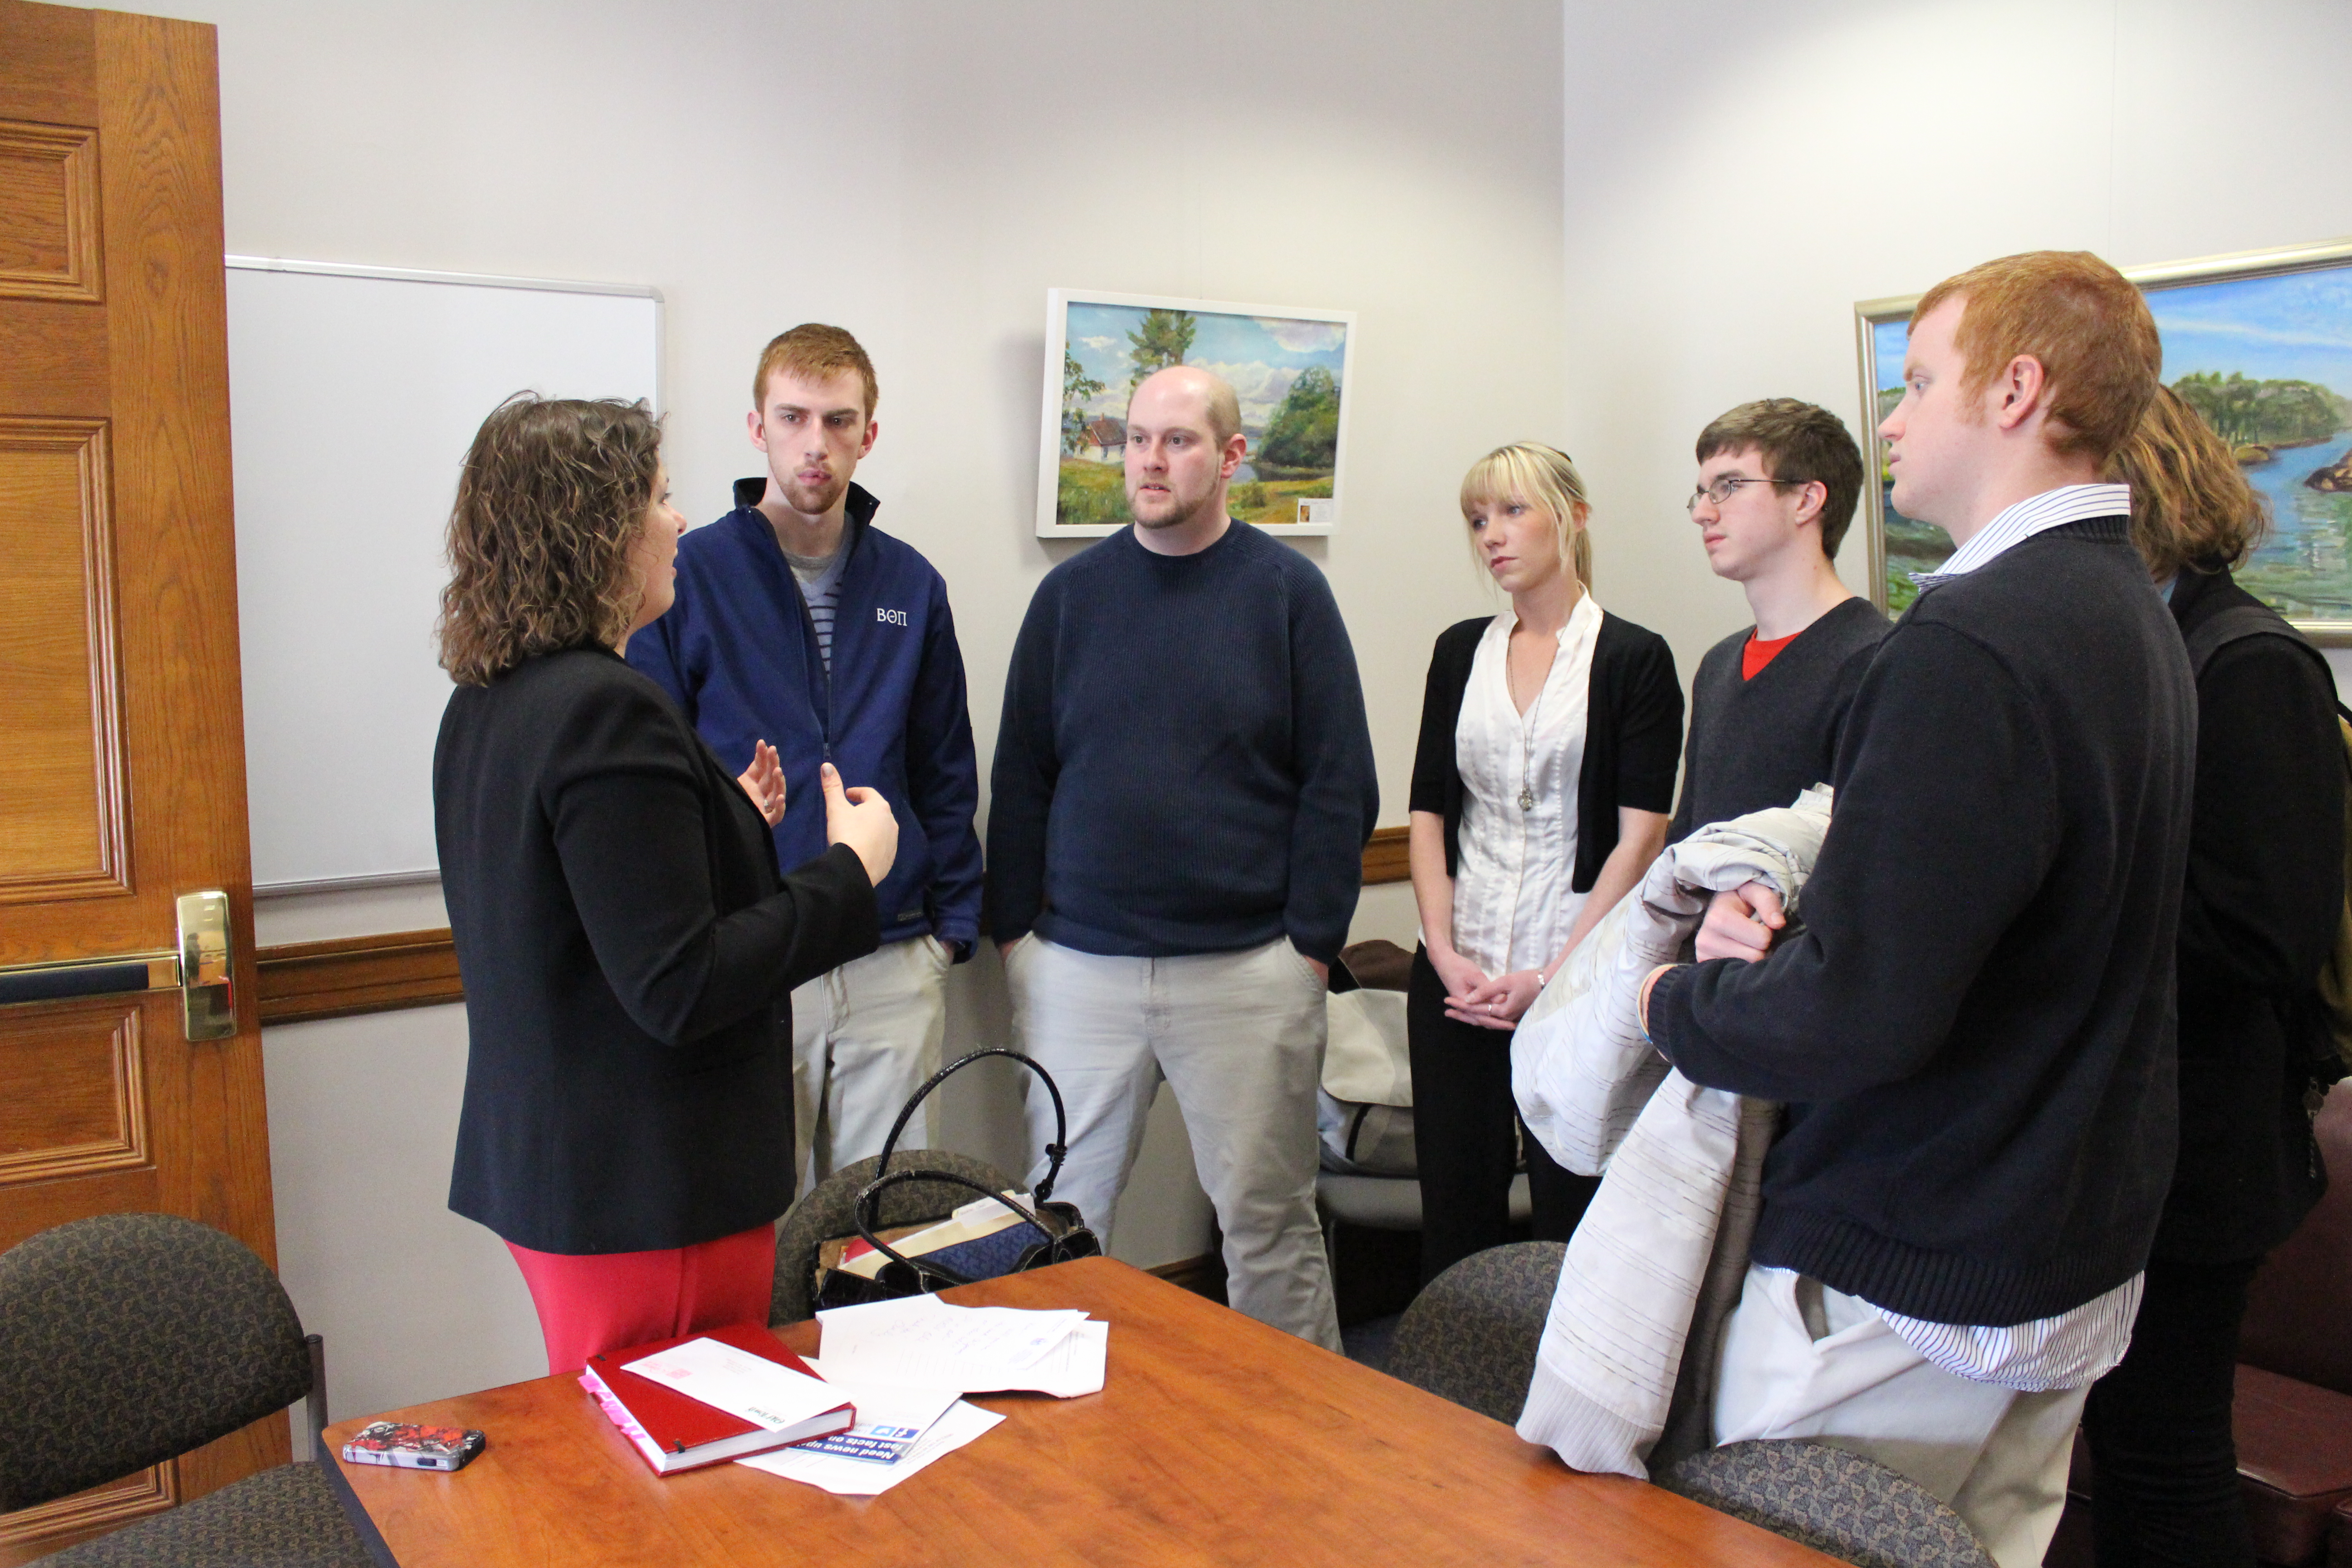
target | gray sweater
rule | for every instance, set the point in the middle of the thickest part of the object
(1757, 743)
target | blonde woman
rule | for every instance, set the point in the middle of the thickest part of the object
(1541, 791)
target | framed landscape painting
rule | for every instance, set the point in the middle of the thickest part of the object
(2258, 343)
(1288, 366)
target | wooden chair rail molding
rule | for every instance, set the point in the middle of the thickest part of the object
(306, 979)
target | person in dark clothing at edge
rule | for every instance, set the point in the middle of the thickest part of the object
(2265, 894)
(1778, 480)
(799, 622)
(1973, 1028)
(1183, 790)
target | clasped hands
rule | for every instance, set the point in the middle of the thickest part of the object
(1471, 997)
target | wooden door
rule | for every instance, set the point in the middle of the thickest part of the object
(122, 755)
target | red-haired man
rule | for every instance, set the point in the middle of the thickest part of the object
(1973, 1030)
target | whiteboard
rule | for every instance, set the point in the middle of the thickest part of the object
(353, 394)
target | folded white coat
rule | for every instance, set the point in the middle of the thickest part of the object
(1682, 1165)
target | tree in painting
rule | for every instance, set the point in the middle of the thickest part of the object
(1305, 431)
(1078, 387)
(1161, 338)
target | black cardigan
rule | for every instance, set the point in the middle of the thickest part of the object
(2265, 890)
(1633, 736)
(628, 952)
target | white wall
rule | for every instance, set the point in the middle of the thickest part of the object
(1739, 176)
(920, 172)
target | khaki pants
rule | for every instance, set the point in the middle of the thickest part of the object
(1239, 1037)
(1802, 1360)
(864, 1036)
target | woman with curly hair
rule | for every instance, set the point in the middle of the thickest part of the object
(627, 945)
(2258, 917)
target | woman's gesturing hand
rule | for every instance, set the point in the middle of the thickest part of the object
(763, 781)
(862, 820)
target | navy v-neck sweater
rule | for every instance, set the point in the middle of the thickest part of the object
(1974, 1031)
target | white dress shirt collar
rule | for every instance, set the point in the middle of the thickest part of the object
(2018, 523)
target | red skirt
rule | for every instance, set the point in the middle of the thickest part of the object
(610, 1301)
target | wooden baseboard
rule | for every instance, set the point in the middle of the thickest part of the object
(306, 979)
(1384, 858)
(1202, 1275)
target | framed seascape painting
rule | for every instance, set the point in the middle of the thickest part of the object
(1288, 366)
(2258, 343)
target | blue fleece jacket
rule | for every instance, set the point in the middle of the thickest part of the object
(738, 655)
(1183, 764)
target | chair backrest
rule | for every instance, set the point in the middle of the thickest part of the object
(129, 1338)
(2298, 1319)
(1855, 1510)
(1471, 1335)
(828, 1210)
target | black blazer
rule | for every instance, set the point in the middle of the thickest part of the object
(1633, 736)
(2258, 917)
(628, 952)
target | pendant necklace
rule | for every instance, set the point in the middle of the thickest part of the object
(1527, 748)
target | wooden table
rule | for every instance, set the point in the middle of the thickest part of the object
(1216, 1441)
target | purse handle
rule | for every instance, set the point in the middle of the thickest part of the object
(867, 1212)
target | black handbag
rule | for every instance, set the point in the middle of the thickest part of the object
(1056, 1232)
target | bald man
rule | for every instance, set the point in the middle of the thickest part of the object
(1182, 791)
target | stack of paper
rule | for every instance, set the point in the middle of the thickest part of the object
(904, 1364)
(922, 1342)
(898, 1431)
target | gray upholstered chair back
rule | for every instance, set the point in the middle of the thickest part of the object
(1471, 1335)
(1853, 1509)
(828, 1210)
(129, 1338)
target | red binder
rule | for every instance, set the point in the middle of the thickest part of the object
(677, 1432)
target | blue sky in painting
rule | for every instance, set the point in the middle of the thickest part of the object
(2293, 328)
(1261, 355)
(2296, 327)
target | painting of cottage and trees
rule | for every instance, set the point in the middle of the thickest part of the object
(1288, 372)
(2267, 360)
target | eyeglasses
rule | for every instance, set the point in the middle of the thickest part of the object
(1723, 489)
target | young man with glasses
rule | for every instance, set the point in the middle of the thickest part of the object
(1778, 480)
(1973, 1032)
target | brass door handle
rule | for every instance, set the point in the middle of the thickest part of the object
(198, 968)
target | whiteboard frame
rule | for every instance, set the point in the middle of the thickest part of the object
(479, 281)
(489, 280)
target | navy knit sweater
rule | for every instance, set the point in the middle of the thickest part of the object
(1183, 764)
(1974, 1031)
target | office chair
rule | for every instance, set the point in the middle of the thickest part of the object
(1853, 1509)
(1471, 1335)
(827, 1212)
(128, 1338)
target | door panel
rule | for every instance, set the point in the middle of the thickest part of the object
(61, 710)
(122, 783)
(49, 210)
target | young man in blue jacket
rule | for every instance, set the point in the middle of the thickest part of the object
(800, 623)
(1974, 1030)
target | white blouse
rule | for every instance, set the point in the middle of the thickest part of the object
(1512, 906)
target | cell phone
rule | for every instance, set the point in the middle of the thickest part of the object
(414, 1448)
